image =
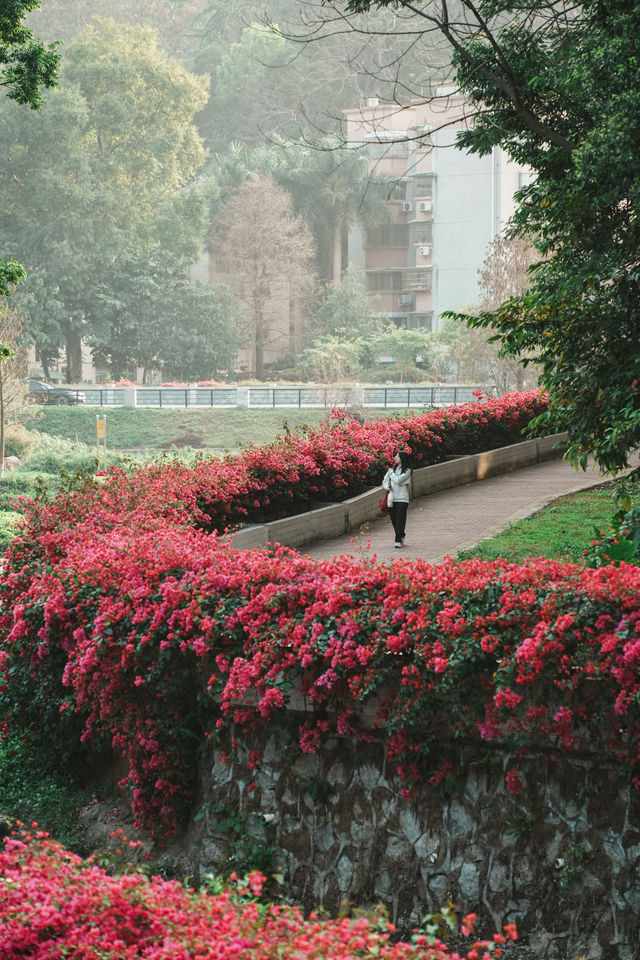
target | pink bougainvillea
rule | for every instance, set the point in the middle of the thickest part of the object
(53, 905)
(125, 622)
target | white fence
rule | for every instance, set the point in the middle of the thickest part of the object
(270, 396)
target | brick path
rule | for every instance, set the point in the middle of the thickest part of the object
(441, 524)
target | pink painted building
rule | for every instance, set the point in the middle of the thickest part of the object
(445, 207)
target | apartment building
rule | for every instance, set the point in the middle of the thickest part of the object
(445, 207)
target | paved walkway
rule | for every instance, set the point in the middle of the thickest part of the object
(441, 524)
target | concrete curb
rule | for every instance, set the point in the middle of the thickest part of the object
(337, 519)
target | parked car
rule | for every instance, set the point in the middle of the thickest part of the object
(43, 392)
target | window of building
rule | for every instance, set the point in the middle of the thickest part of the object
(390, 148)
(390, 190)
(420, 321)
(379, 281)
(419, 279)
(389, 235)
(423, 232)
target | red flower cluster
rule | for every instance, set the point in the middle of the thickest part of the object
(124, 623)
(335, 461)
(157, 637)
(54, 905)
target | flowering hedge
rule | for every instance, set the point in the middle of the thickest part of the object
(53, 905)
(155, 639)
(340, 459)
(125, 623)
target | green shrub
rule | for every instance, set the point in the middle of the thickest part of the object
(18, 441)
(9, 520)
(620, 543)
(22, 483)
(31, 788)
(52, 454)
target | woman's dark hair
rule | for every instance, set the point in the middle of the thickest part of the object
(405, 462)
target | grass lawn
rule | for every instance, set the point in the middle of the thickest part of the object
(211, 429)
(560, 530)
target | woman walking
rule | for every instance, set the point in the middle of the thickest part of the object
(396, 482)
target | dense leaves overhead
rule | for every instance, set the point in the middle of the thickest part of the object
(26, 64)
(556, 85)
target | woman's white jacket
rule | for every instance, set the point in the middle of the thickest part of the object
(397, 483)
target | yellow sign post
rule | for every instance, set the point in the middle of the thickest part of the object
(101, 438)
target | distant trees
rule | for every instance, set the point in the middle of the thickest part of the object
(333, 188)
(15, 405)
(107, 174)
(26, 66)
(476, 353)
(265, 254)
(149, 314)
(345, 309)
(505, 271)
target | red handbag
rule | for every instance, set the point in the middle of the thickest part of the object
(384, 506)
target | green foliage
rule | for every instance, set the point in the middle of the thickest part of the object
(21, 483)
(556, 86)
(345, 309)
(558, 530)
(27, 64)
(620, 543)
(408, 349)
(250, 836)
(8, 526)
(34, 787)
(334, 359)
(18, 441)
(224, 429)
(150, 314)
(105, 170)
(10, 274)
(54, 454)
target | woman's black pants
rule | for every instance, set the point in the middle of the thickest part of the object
(398, 514)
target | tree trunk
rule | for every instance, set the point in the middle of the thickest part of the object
(258, 314)
(1, 424)
(336, 265)
(74, 355)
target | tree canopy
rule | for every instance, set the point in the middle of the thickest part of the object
(26, 66)
(264, 253)
(556, 84)
(107, 173)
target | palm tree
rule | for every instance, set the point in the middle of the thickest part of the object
(333, 189)
(331, 186)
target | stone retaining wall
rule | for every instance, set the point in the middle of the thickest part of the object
(561, 859)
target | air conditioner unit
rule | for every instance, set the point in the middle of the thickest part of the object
(407, 206)
(426, 205)
(406, 299)
(425, 251)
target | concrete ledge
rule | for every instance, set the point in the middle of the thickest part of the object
(442, 476)
(321, 524)
(553, 447)
(248, 537)
(339, 518)
(508, 458)
(361, 509)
